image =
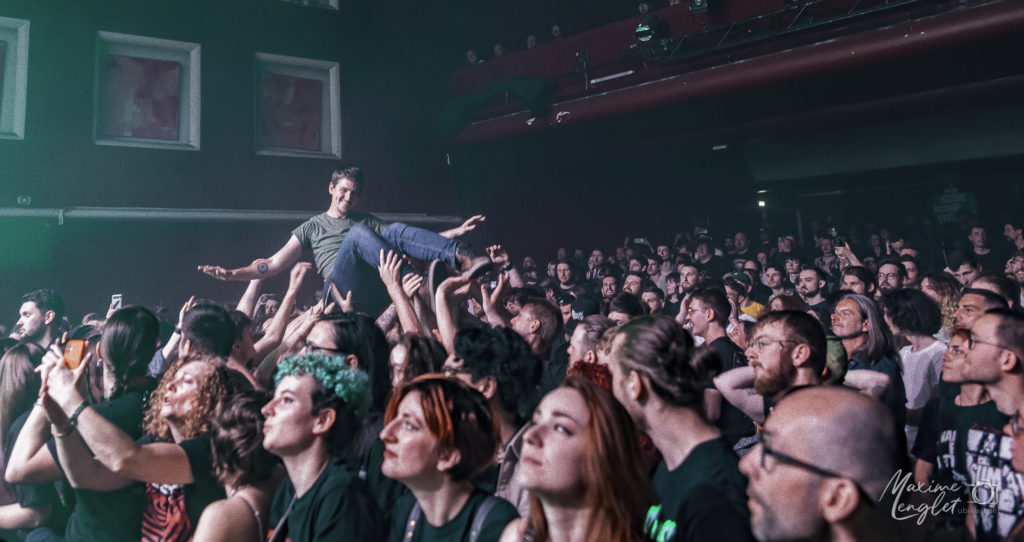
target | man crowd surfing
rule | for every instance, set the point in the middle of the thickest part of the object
(862, 389)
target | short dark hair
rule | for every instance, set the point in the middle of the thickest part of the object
(1007, 288)
(210, 329)
(889, 260)
(1010, 330)
(912, 311)
(653, 288)
(236, 440)
(626, 303)
(500, 352)
(991, 299)
(801, 328)
(351, 173)
(957, 258)
(716, 299)
(47, 300)
(549, 316)
(241, 321)
(819, 273)
(862, 274)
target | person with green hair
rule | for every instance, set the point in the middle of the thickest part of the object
(318, 409)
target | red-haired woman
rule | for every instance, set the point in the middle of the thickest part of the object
(438, 434)
(579, 462)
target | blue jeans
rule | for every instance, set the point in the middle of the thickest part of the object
(355, 268)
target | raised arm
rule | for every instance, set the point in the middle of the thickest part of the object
(873, 383)
(495, 312)
(158, 463)
(503, 263)
(30, 461)
(247, 305)
(390, 273)
(261, 268)
(449, 294)
(466, 227)
(279, 323)
(737, 387)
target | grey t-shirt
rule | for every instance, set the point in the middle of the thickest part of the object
(323, 235)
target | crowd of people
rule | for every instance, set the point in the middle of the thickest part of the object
(689, 390)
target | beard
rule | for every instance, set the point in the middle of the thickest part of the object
(769, 384)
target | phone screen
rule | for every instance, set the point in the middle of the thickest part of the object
(74, 351)
(115, 301)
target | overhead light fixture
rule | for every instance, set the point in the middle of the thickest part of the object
(761, 203)
(650, 27)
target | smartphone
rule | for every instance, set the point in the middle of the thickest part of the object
(115, 301)
(74, 351)
(638, 240)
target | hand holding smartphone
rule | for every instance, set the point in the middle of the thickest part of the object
(74, 352)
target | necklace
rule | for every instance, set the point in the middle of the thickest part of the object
(237, 489)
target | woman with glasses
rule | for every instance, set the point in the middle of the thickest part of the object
(659, 376)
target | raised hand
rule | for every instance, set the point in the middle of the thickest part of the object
(411, 284)
(62, 383)
(498, 255)
(298, 274)
(470, 224)
(390, 269)
(343, 302)
(215, 271)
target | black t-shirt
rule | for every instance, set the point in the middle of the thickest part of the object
(105, 516)
(733, 422)
(715, 268)
(704, 499)
(337, 507)
(383, 489)
(456, 530)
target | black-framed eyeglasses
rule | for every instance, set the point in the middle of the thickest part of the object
(972, 340)
(324, 348)
(766, 451)
(888, 276)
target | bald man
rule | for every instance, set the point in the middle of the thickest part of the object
(995, 359)
(826, 456)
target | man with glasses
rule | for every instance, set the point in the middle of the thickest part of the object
(995, 359)
(891, 276)
(708, 315)
(786, 351)
(825, 458)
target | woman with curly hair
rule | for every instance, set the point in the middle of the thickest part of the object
(944, 289)
(249, 473)
(579, 463)
(173, 458)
